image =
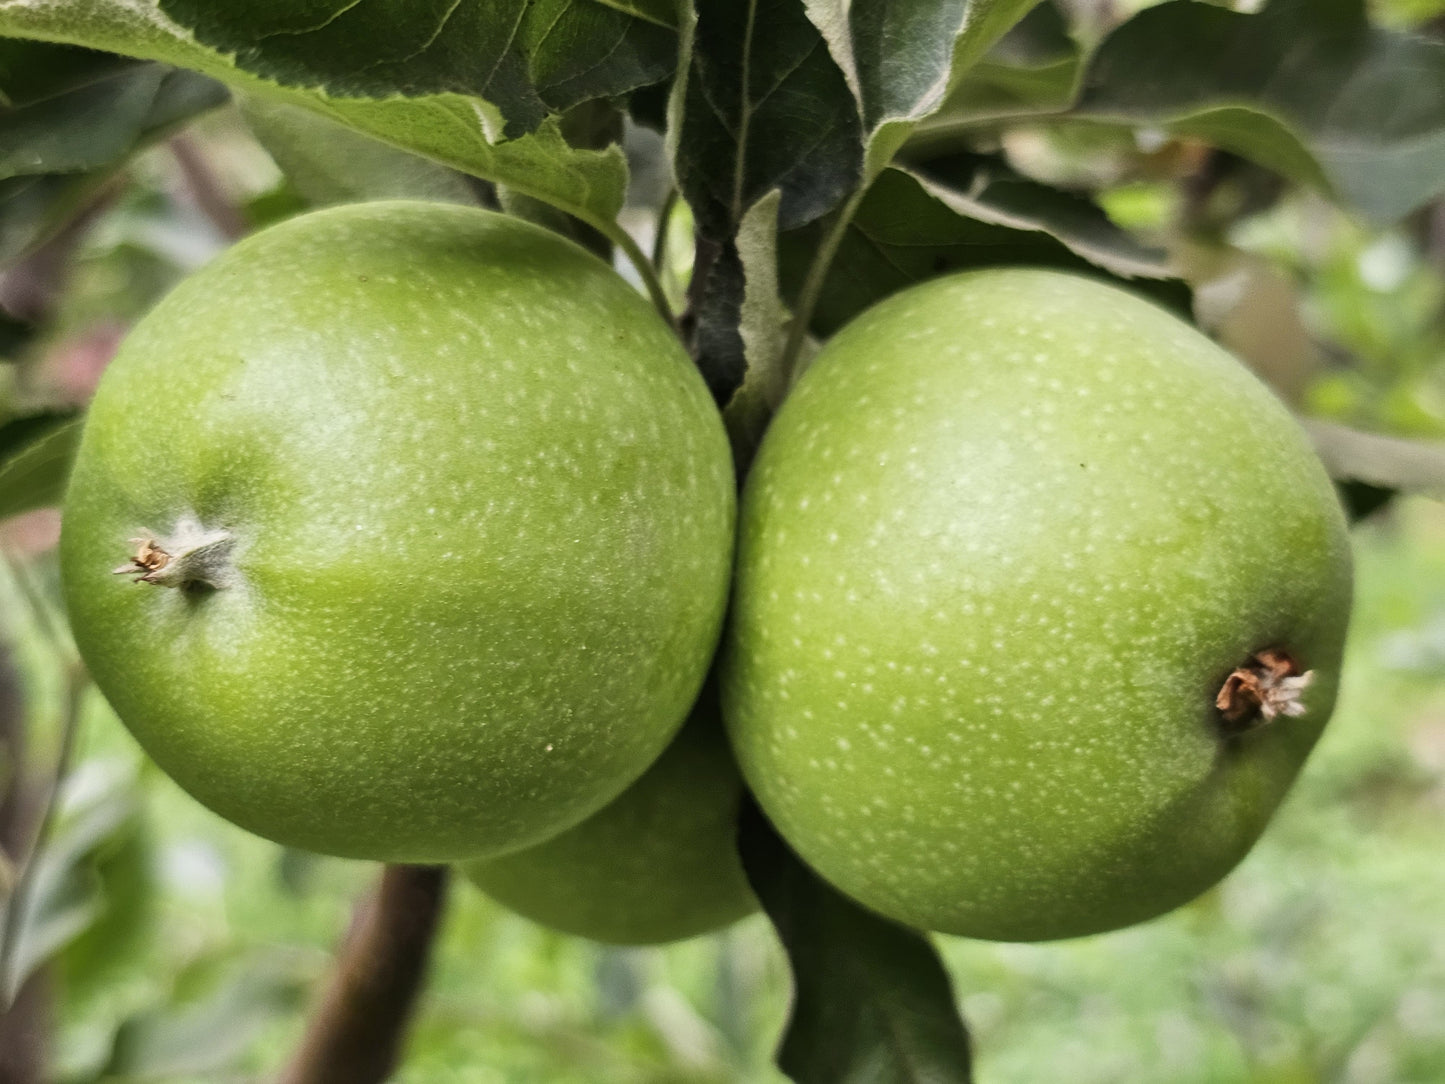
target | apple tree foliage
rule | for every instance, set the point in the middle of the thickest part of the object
(821, 155)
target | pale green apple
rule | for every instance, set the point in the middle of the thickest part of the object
(658, 864)
(1000, 554)
(429, 520)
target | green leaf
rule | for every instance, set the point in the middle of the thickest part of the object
(1305, 87)
(762, 331)
(526, 57)
(31, 71)
(410, 79)
(763, 106)
(331, 163)
(14, 335)
(1033, 69)
(66, 894)
(213, 1033)
(99, 124)
(872, 1002)
(964, 213)
(35, 457)
(78, 124)
(901, 58)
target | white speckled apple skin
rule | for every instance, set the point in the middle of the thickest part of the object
(483, 510)
(658, 864)
(999, 550)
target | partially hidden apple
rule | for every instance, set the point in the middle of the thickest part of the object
(1040, 604)
(423, 521)
(657, 864)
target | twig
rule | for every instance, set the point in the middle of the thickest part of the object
(359, 1024)
(205, 188)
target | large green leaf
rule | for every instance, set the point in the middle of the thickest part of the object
(452, 81)
(901, 56)
(872, 1003)
(1305, 87)
(967, 213)
(764, 106)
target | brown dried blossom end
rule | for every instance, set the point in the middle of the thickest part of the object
(1268, 685)
(148, 561)
(189, 557)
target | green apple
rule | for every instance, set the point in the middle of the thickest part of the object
(429, 519)
(658, 864)
(1039, 607)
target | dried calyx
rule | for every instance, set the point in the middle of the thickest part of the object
(188, 557)
(1269, 684)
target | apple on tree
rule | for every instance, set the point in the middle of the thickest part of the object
(428, 522)
(1039, 607)
(658, 864)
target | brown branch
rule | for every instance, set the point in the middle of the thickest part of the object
(32, 288)
(359, 1024)
(205, 188)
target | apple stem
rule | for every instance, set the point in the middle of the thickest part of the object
(190, 556)
(1269, 684)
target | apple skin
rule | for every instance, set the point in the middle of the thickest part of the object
(999, 551)
(658, 864)
(479, 508)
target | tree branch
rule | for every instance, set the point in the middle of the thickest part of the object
(359, 1024)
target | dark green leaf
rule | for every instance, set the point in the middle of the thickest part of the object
(765, 106)
(717, 288)
(56, 152)
(14, 334)
(1033, 69)
(901, 58)
(1305, 87)
(31, 71)
(421, 64)
(35, 457)
(871, 1000)
(966, 213)
(1362, 500)
(99, 124)
(527, 57)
